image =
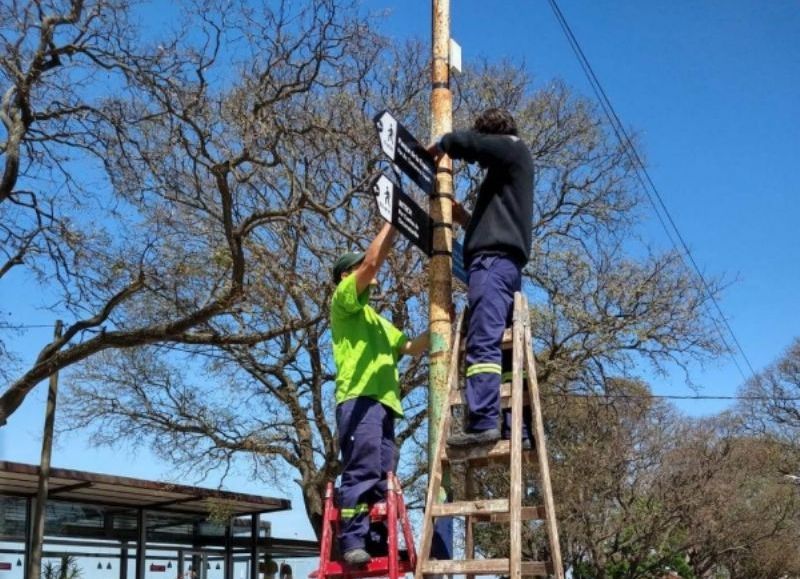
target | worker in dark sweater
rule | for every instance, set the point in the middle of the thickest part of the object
(496, 248)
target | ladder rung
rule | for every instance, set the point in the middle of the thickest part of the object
(471, 566)
(457, 396)
(462, 508)
(484, 454)
(528, 514)
(377, 567)
(505, 342)
(505, 402)
(536, 568)
(484, 567)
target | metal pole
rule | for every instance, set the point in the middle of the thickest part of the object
(40, 507)
(227, 563)
(28, 534)
(196, 571)
(141, 543)
(123, 560)
(254, 530)
(441, 282)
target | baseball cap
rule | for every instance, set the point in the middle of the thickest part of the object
(345, 262)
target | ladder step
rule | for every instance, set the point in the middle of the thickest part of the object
(471, 566)
(528, 514)
(463, 508)
(486, 454)
(488, 510)
(505, 342)
(458, 396)
(536, 568)
(377, 567)
(483, 567)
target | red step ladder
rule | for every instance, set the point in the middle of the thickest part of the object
(392, 566)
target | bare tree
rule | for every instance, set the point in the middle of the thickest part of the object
(302, 194)
(733, 508)
(183, 199)
(272, 402)
(191, 175)
(771, 400)
(641, 491)
(236, 161)
(607, 451)
(47, 73)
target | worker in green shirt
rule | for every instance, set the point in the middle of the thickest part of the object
(366, 348)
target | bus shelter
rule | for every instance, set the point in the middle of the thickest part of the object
(137, 529)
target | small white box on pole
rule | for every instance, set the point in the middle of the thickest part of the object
(455, 56)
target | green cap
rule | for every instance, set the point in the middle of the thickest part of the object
(345, 262)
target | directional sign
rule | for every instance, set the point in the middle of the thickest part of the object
(396, 207)
(406, 152)
(458, 262)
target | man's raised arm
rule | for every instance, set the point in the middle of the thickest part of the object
(374, 257)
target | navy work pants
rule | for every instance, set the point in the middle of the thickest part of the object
(493, 279)
(366, 441)
(527, 417)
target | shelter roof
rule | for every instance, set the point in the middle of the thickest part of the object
(21, 480)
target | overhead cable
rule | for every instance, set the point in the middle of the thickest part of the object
(649, 187)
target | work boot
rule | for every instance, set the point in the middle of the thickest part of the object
(474, 438)
(356, 557)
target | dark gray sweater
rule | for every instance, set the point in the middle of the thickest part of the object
(503, 215)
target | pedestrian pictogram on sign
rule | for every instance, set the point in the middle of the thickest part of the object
(406, 152)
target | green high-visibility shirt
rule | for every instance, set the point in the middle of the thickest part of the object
(366, 348)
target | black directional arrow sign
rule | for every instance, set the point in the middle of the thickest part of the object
(396, 207)
(406, 152)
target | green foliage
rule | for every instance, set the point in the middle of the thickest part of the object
(66, 568)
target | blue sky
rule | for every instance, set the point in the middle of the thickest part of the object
(712, 89)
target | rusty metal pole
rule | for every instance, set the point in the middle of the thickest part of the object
(440, 289)
(34, 570)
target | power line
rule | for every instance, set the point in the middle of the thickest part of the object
(670, 396)
(644, 179)
(214, 356)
